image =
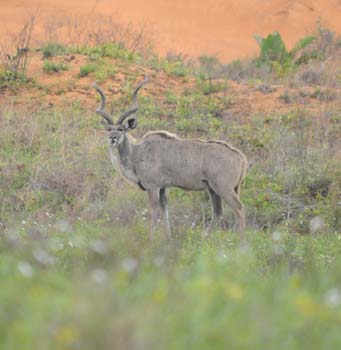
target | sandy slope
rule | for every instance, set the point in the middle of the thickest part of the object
(194, 27)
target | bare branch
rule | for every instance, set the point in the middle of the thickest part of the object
(14, 56)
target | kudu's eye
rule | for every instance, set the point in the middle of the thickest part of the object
(120, 129)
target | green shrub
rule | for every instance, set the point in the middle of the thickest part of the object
(209, 67)
(110, 50)
(171, 97)
(53, 49)
(87, 69)
(274, 54)
(104, 72)
(10, 78)
(272, 48)
(208, 87)
(172, 65)
(101, 69)
(54, 67)
(177, 68)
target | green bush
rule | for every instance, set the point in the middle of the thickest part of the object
(273, 49)
(176, 68)
(54, 67)
(100, 68)
(110, 50)
(274, 54)
(104, 72)
(86, 69)
(53, 49)
(172, 65)
(9, 78)
(208, 87)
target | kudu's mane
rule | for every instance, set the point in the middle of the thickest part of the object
(163, 134)
(170, 136)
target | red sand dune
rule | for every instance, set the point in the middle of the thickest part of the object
(193, 27)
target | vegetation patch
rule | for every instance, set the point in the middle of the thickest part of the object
(53, 49)
(101, 69)
(110, 50)
(86, 70)
(173, 64)
(54, 67)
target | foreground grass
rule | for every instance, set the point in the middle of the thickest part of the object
(83, 286)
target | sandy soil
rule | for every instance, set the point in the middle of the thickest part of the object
(193, 27)
(64, 88)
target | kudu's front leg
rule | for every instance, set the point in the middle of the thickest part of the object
(153, 197)
(164, 208)
(217, 210)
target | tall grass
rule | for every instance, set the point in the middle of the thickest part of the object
(58, 161)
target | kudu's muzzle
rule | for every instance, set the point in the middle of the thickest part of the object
(113, 140)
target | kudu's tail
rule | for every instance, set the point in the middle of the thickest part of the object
(242, 175)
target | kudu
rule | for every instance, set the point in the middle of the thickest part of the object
(160, 160)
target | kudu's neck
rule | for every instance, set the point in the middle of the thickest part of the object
(125, 149)
(122, 158)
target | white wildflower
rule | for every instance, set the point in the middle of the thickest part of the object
(276, 236)
(43, 257)
(130, 265)
(25, 269)
(332, 297)
(99, 276)
(159, 260)
(98, 246)
(64, 226)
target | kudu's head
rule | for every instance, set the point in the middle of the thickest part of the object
(117, 130)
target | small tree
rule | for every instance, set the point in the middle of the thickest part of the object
(14, 56)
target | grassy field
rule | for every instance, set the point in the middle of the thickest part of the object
(76, 268)
(92, 286)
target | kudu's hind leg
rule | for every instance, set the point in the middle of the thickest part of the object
(164, 208)
(153, 197)
(217, 210)
(231, 197)
(237, 206)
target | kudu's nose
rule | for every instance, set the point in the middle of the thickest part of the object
(113, 139)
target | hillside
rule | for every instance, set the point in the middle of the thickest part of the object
(198, 27)
(246, 98)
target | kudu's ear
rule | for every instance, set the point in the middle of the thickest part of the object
(131, 124)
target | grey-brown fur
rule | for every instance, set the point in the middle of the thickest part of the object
(160, 160)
